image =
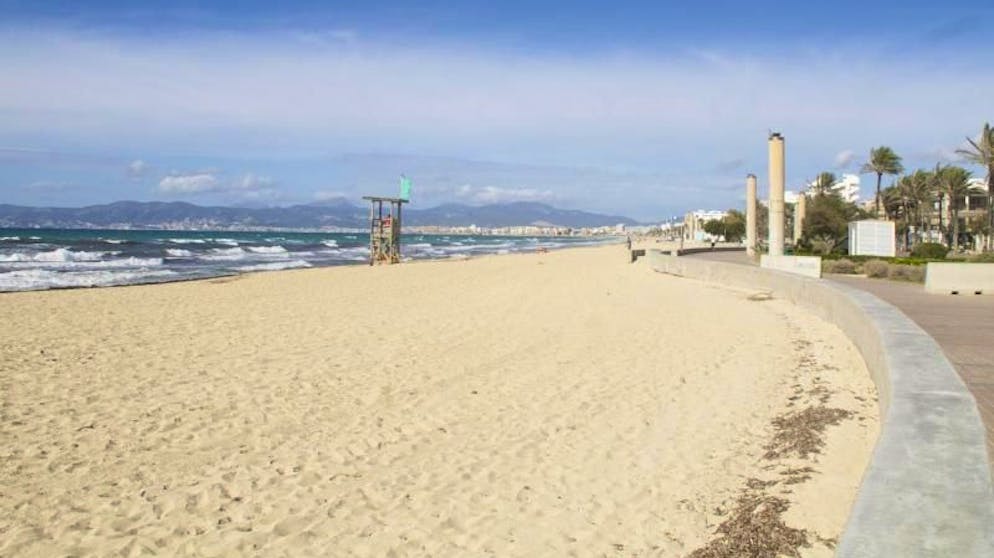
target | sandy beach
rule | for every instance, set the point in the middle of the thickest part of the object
(557, 404)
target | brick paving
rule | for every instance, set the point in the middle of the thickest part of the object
(963, 326)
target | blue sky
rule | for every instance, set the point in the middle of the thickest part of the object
(645, 109)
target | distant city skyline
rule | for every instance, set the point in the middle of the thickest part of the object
(644, 109)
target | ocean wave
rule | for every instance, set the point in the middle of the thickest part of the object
(186, 240)
(228, 241)
(39, 279)
(275, 266)
(113, 241)
(419, 245)
(330, 243)
(10, 238)
(178, 253)
(102, 264)
(267, 249)
(224, 254)
(57, 255)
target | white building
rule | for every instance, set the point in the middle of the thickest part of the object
(847, 186)
(693, 224)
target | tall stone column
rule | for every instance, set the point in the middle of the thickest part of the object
(799, 211)
(751, 215)
(777, 182)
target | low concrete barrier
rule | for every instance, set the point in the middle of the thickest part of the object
(703, 249)
(809, 266)
(959, 278)
(927, 490)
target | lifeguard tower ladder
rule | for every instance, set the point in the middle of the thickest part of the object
(384, 231)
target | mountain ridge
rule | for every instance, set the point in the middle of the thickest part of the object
(332, 213)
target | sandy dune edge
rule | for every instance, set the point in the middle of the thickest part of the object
(545, 404)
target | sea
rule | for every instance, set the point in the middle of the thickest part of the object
(39, 259)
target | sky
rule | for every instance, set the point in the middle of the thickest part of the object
(642, 109)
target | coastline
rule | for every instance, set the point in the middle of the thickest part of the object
(557, 402)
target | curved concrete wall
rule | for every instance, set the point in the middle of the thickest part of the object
(927, 490)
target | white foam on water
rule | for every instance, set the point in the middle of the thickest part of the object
(224, 255)
(228, 241)
(57, 255)
(267, 249)
(186, 240)
(102, 264)
(9, 238)
(40, 279)
(351, 237)
(275, 266)
(178, 253)
(113, 241)
(330, 243)
(420, 245)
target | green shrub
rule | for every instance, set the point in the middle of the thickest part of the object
(930, 251)
(875, 268)
(838, 266)
(914, 273)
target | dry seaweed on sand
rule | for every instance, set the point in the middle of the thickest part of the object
(796, 476)
(799, 433)
(755, 530)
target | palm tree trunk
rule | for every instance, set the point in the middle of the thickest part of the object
(879, 178)
(990, 209)
(942, 230)
(955, 243)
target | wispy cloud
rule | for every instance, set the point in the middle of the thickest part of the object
(845, 159)
(136, 169)
(190, 183)
(603, 131)
(495, 194)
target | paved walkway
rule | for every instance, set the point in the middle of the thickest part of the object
(962, 325)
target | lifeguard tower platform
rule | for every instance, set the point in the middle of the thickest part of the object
(384, 230)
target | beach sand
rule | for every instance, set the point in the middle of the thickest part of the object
(559, 404)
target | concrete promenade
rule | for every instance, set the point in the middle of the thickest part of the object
(927, 491)
(963, 325)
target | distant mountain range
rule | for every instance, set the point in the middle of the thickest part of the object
(333, 213)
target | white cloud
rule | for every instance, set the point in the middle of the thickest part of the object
(194, 183)
(624, 129)
(844, 159)
(249, 187)
(495, 194)
(327, 195)
(137, 169)
(252, 181)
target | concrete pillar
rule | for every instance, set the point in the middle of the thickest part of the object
(799, 210)
(777, 183)
(751, 215)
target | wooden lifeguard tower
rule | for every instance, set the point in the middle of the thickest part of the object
(384, 230)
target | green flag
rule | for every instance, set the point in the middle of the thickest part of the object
(405, 188)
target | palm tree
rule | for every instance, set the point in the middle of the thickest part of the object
(921, 196)
(823, 184)
(882, 161)
(954, 183)
(981, 152)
